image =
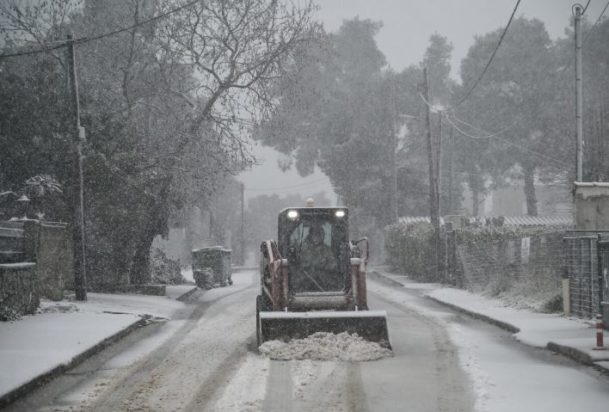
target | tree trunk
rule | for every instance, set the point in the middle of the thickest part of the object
(155, 224)
(529, 190)
(140, 268)
(475, 201)
(474, 186)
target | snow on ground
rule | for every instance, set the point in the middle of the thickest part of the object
(468, 358)
(157, 306)
(536, 329)
(247, 389)
(175, 291)
(325, 346)
(241, 280)
(303, 373)
(36, 344)
(145, 346)
(62, 330)
(506, 378)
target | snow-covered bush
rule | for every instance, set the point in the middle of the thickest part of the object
(164, 269)
(410, 249)
(522, 266)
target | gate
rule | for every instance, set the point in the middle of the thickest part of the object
(582, 269)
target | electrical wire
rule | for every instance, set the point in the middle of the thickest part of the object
(496, 137)
(83, 40)
(596, 23)
(488, 136)
(471, 89)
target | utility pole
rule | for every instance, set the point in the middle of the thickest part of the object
(394, 156)
(450, 170)
(242, 224)
(433, 200)
(434, 212)
(439, 163)
(76, 180)
(579, 95)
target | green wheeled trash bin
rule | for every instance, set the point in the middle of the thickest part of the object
(211, 267)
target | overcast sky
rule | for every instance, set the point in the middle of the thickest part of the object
(407, 26)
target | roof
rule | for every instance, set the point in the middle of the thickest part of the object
(418, 219)
(538, 221)
(518, 221)
(591, 184)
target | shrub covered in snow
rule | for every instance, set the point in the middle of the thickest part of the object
(410, 248)
(164, 269)
(521, 265)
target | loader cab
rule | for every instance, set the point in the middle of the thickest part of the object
(316, 243)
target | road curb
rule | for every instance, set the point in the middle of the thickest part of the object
(570, 352)
(577, 355)
(186, 295)
(503, 325)
(40, 380)
(373, 274)
(567, 351)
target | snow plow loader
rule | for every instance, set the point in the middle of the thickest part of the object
(314, 280)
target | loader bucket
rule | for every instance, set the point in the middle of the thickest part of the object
(369, 324)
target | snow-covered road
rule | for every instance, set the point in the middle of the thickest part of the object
(505, 374)
(204, 359)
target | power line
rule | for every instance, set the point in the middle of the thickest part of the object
(471, 89)
(596, 23)
(496, 137)
(488, 136)
(83, 40)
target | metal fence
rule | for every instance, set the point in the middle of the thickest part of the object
(585, 277)
(527, 270)
(525, 266)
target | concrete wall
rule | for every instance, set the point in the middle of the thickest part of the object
(592, 206)
(18, 290)
(49, 245)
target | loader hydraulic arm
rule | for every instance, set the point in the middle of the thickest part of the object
(276, 269)
(359, 261)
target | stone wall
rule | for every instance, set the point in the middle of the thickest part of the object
(45, 264)
(18, 290)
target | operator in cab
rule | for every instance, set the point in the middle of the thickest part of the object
(318, 262)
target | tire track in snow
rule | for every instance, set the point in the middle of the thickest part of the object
(175, 373)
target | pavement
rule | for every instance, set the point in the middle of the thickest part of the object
(568, 336)
(37, 348)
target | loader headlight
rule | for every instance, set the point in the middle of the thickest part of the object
(340, 213)
(292, 214)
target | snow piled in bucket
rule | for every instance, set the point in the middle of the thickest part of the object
(325, 346)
